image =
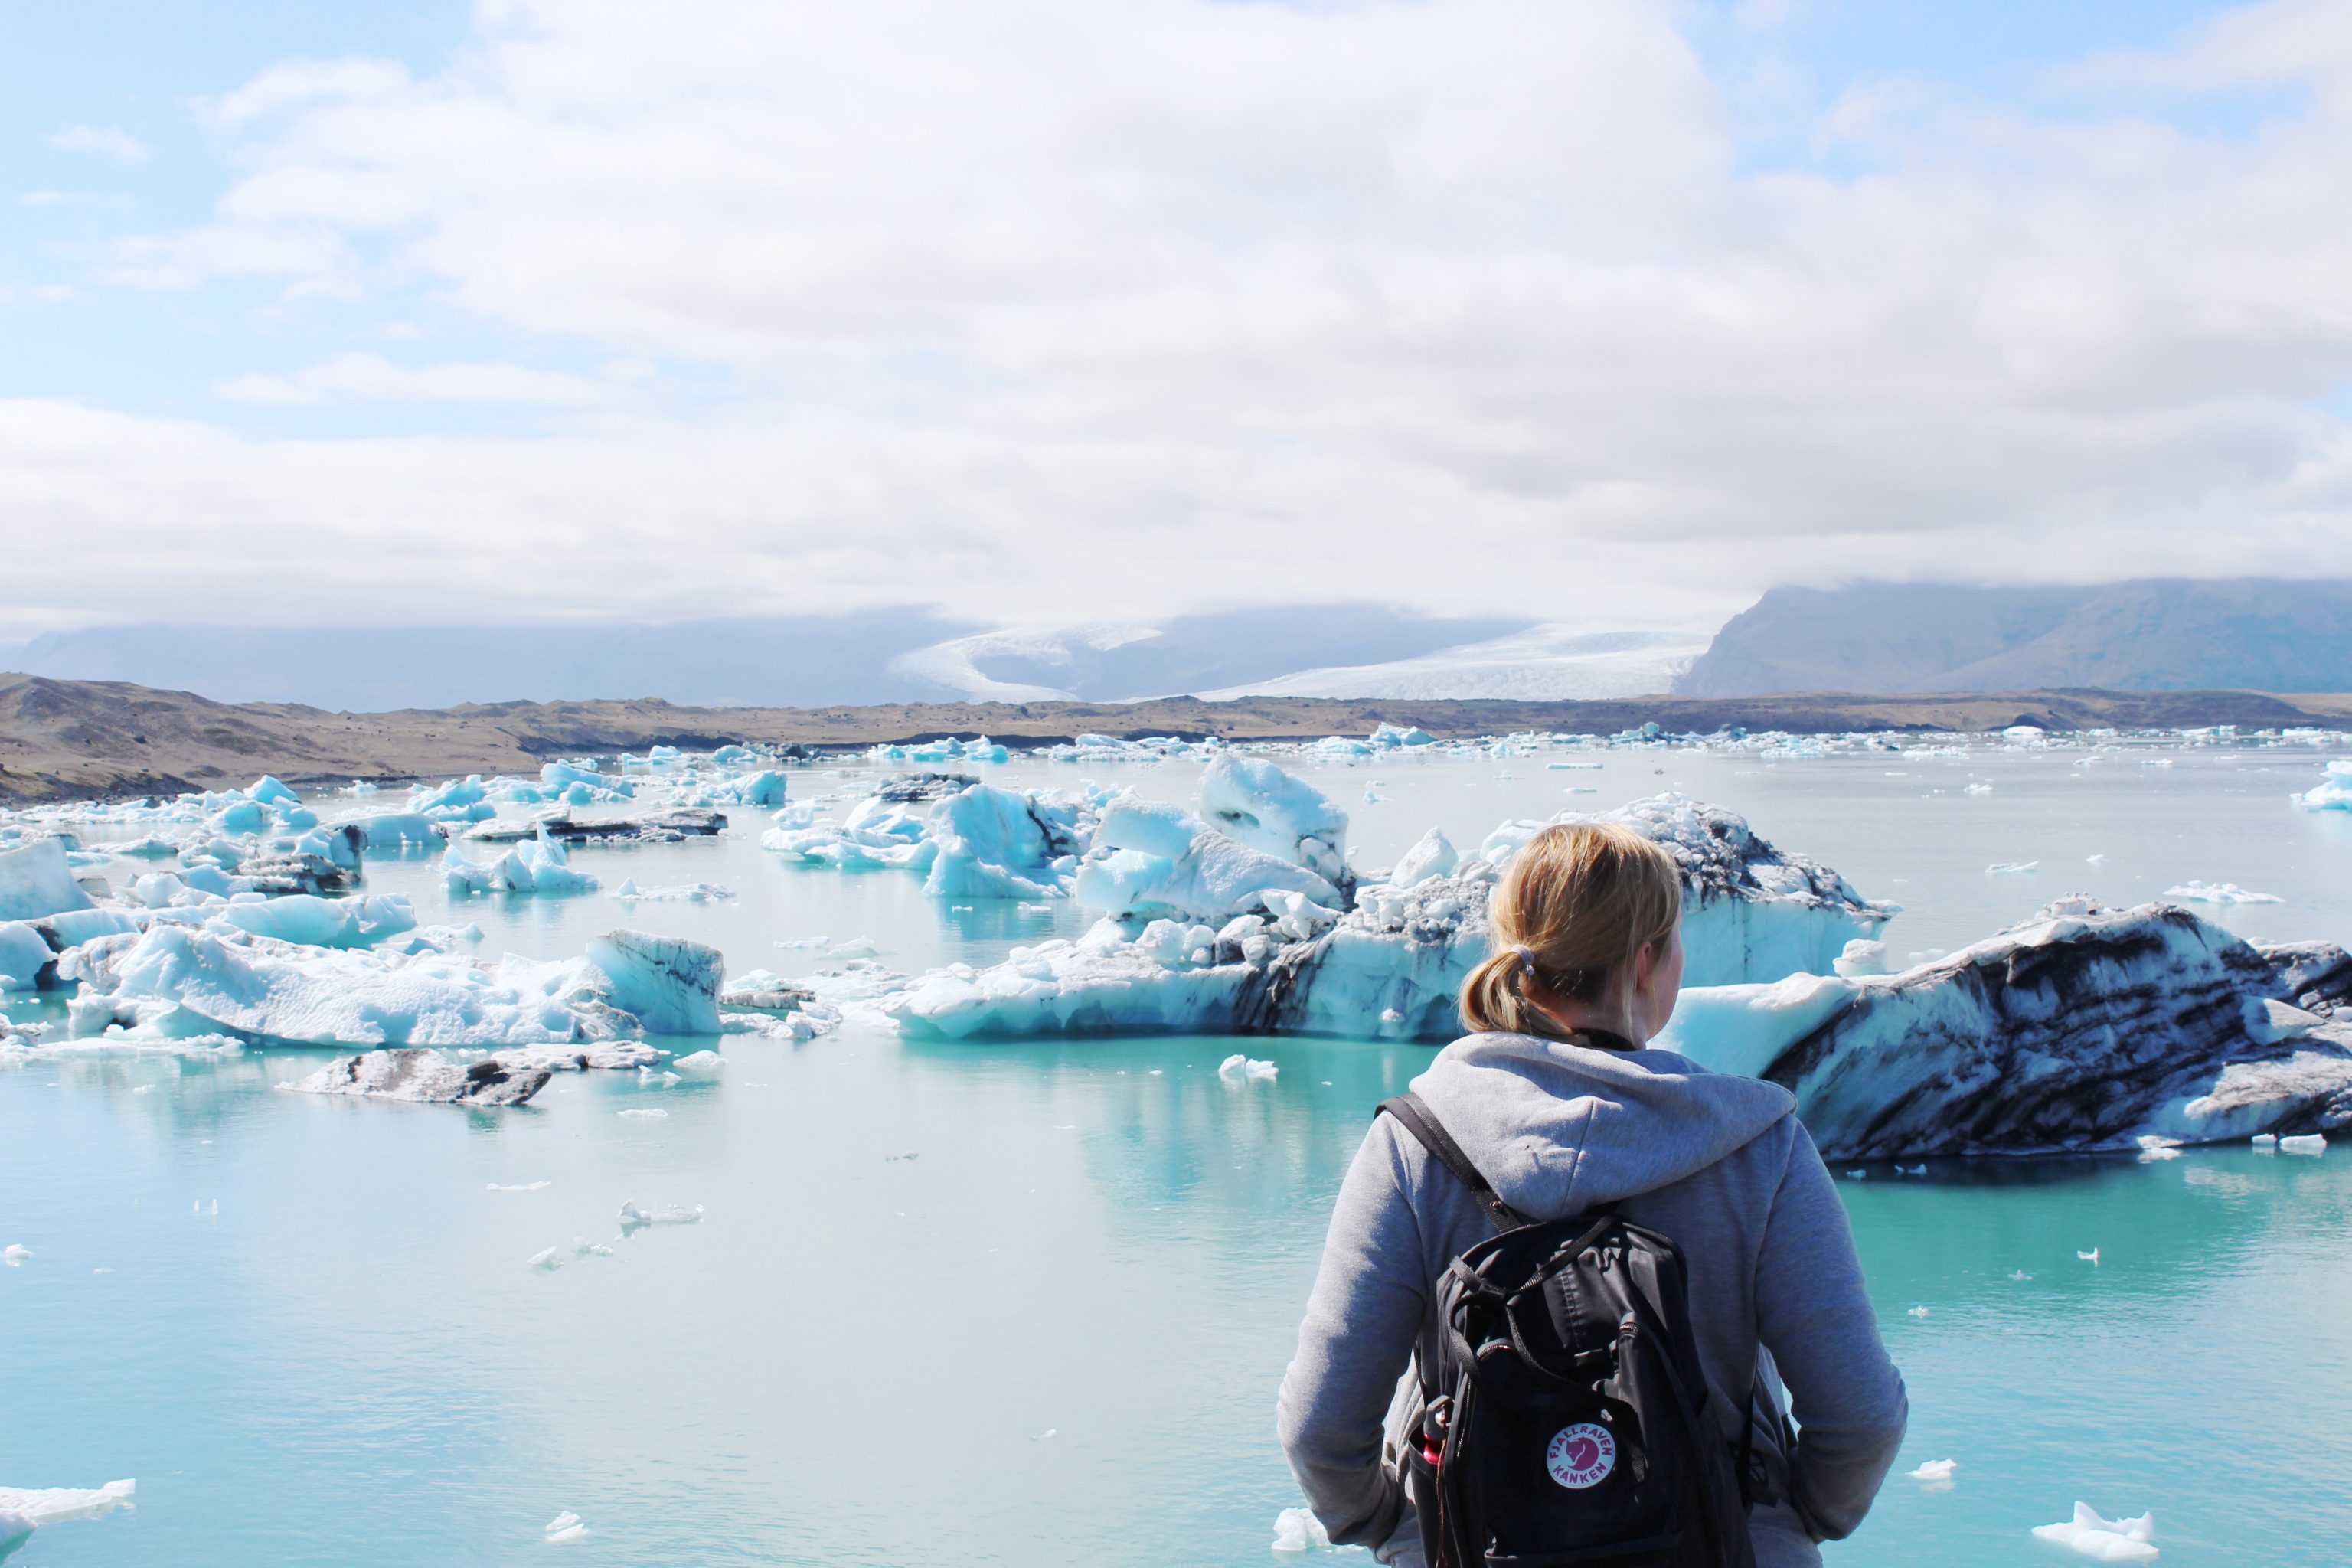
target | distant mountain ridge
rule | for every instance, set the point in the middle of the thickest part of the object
(2147, 635)
(902, 654)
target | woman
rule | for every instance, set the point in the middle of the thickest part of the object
(1561, 1106)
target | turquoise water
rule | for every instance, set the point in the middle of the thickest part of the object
(1053, 1336)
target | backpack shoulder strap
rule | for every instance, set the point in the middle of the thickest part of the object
(1417, 1119)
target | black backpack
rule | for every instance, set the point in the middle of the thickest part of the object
(1565, 1416)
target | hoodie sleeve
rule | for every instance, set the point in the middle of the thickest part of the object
(1362, 1320)
(1814, 1317)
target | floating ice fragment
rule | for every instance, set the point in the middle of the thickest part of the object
(705, 1061)
(2019, 1274)
(14, 1255)
(2091, 1257)
(646, 1113)
(2012, 868)
(1297, 1528)
(546, 1259)
(2094, 859)
(519, 1186)
(2306, 1144)
(1936, 1473)
(583, 1247)
(1856, 1176)
(57, 1505)
(2264, 1139)
(2154, 1146)
(634, 1215)
(2108, 1540)
(566, 1526)
(1918, 1311)
(1979, 789)
(2219, 893)
(1041, 1437)
(1911, 1170)
(1238, 1067)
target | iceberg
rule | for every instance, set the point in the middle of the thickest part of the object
(426, 1076)
(535, 865)
(26, 962)
(2335, 792)
(971, 840)
(2084, 1029)
(1254, 802)
(1000, 844)
(325, 922)
(1750, 911)
(1205, 934)
(1154, 860)
(35, 881)
(178, 981)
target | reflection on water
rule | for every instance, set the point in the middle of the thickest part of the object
(1053, 1334)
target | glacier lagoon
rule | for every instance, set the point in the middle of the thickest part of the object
(1053, 1334)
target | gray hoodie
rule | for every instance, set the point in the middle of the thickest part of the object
(1716, 1161)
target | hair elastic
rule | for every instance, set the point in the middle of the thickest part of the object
(1526, 959)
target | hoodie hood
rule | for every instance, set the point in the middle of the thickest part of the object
(1557, 1128)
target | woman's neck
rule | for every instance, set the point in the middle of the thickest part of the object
(1580, 1018)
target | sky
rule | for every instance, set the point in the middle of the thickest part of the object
(1049, 311)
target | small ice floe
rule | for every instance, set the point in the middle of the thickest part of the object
(2303, 1143)
(1936, 1474)
(634, 1215)
(546, 1259)
(1918, 1311)
(13, 1256)
(647, 1113)
(2264, 1143)
(2020, 1275)
(1979, 789)
(803, 941)
(1856, 1176)
(1237, 1067)
(517, 1186)
(2012, 867)
(24, 1509)
(2106, 1539)
(2091, 1257)
(583, 1247)
(2154, 1147)
(2219, 893)
(1919, 1170)
(686, 893)
(2094, 859)
(1297, 1528)
(702, 1062)
(1041, 1437)
(565, 1527)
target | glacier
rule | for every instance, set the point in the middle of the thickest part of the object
(2084, 1029)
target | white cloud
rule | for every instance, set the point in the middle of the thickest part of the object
(371, 378)
(105, 141)
(1039, 306)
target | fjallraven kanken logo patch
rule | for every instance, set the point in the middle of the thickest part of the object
(1580, 1456)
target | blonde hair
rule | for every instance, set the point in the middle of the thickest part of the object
(1576, 906)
